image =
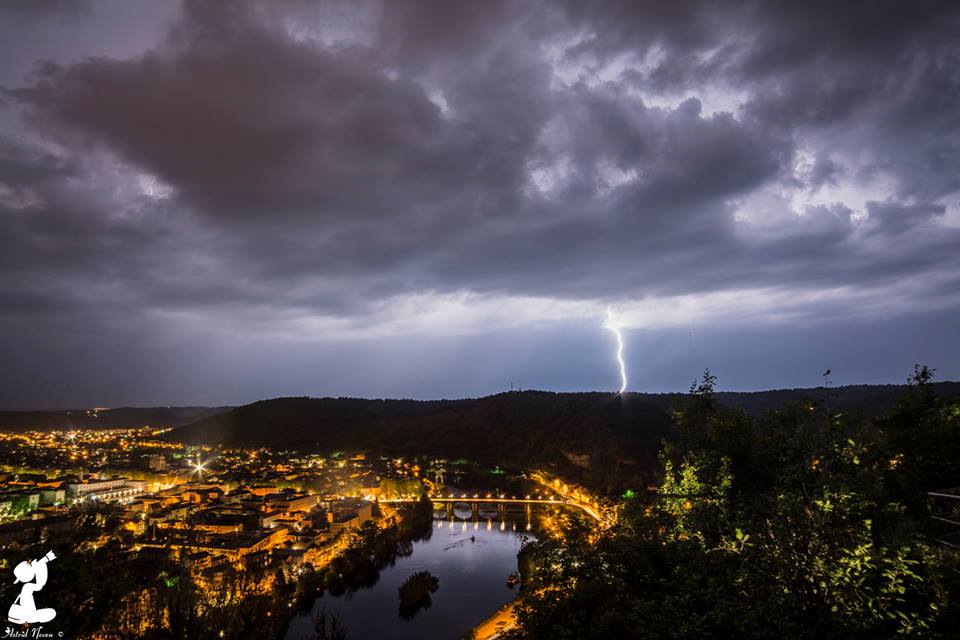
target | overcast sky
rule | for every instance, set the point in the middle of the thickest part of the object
(220, 202)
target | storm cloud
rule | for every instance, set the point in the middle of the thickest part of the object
(282, 173)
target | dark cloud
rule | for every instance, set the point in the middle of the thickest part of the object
(267, 163)
(42, 9)
(824, 171)
(895, 218)
(257, 124)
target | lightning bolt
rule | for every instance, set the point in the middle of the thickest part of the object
(615, 329)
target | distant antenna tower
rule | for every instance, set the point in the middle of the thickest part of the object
(826, 378)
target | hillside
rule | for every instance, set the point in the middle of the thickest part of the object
(105, 419)
(304, 422)
(601, 438)
(869, 399)
(593, 435)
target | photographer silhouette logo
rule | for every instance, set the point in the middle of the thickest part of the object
(33, 575)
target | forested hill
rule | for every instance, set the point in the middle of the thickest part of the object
(596, 436)
(306, 422)
(869, 399)
(593, 435)
(159, 417)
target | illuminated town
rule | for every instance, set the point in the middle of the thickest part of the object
(237, 519)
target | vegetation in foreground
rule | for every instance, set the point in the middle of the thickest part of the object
(808, 523)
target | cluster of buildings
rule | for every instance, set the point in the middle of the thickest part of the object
(216, 530)
(336, 473)
(23, 495)
(90, 449)
(32, 504)
(211, 527)
(255, 507)
(145, 453)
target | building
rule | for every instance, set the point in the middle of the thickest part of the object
(269, 519)
(289, 504)
(26, 531)
(156, 462)
(145, 504)
(202, 494)
(357, 505)
(349, 514)
(18, 503)
(107, 490)
(263, 490)
(232, 546)
(53, 495)
(218, 522)
(371, 488)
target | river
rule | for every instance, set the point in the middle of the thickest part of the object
(471, 561)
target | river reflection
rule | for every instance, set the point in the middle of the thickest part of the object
(472, 561)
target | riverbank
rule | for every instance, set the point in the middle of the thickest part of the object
(496, 624)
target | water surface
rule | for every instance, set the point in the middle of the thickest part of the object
(472, 562)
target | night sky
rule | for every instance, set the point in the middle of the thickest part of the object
(220, 202)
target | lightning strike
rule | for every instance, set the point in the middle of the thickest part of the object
(615, 329)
